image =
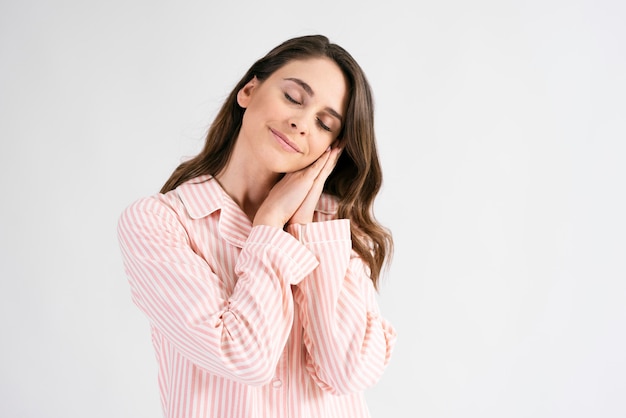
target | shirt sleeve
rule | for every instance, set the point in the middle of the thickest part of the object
(238, 336)
(348, 343)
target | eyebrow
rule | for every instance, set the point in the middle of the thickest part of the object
(310, 92)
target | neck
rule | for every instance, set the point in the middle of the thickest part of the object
(246, 183)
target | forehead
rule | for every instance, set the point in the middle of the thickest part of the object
(323, 75)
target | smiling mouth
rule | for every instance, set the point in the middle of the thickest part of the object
(284, 142)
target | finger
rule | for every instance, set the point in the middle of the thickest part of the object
(318, 184)
(323, 159)
(330, 163)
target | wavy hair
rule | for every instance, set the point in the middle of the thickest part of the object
(357, 177)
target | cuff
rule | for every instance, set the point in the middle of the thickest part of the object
(293, 260)
(316, 232)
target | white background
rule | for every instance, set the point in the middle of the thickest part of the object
(502, 131)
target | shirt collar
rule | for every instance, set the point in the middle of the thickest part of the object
(203, 195)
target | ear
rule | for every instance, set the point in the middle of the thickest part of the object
(245, 94)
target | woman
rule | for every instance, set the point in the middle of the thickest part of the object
(257, 263)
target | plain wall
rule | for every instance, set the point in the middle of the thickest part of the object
(501, 128)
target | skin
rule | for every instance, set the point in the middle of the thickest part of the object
(290, 126)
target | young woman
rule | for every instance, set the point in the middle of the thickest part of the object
(257, 264)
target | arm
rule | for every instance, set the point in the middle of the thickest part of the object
(348, 343)
(238, 336)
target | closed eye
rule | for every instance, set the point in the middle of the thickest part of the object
(291, 99)
(323, 125)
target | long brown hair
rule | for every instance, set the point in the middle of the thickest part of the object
(357, 177)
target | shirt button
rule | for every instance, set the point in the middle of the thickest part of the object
(277, 383)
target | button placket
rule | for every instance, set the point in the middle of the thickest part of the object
(282, 369)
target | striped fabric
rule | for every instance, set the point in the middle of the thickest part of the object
(252, 321)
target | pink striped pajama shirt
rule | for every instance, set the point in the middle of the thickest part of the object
(252, 321)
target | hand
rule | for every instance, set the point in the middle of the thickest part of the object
(294, 197)
(304, 213)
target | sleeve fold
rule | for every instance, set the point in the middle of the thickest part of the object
(348, 344)
(239, 336)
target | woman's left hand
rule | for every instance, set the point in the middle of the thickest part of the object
(304, 213)
(294, 197)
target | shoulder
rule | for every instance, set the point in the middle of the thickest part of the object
(148, 213)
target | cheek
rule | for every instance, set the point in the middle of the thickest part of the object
(310, 159)
(321, 145)
(307, 162)
(317, 152)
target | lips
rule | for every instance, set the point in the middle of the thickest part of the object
(284, 142)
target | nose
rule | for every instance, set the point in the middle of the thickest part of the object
(298, 124)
